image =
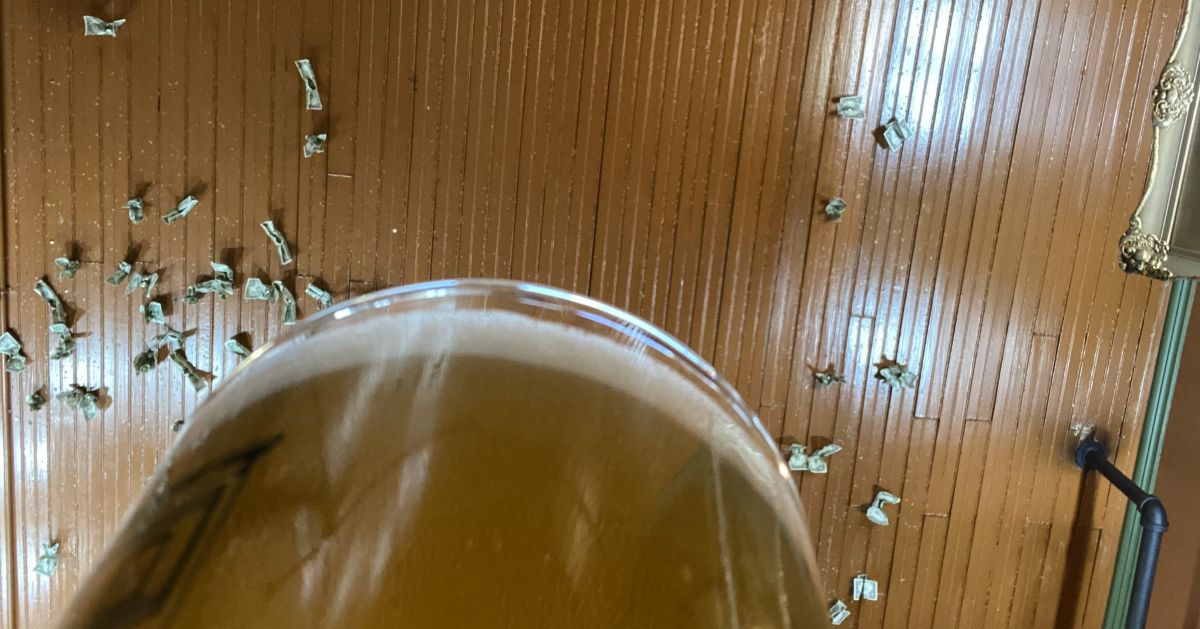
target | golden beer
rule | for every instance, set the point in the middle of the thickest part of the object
(464, 454)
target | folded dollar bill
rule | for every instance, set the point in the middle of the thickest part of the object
(895, 133)
(835, 208)
(222, 271)
(865, 588)
(66, 268)
(314, 144)
(838, 613)
(828, 377)
(121, 274)
(322, 296)
(96, 27)
(147, 282)
(281, 246)
(82, 399)
(875, 512)
(194, 377)
(183, 209)
(171, 338)
(146, 361)
(10, 348)
(152, 312)
(65, 347)
(898, 376)
(58, 312)
(136, 209)
(236, 347)
(312, 96)
(851, 107)
(256, 290)
(289, 302)
(47, 561)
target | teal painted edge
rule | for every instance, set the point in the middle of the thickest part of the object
(1145, 471)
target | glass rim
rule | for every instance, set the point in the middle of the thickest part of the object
(628, 324)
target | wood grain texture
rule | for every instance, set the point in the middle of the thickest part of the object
(669, 157)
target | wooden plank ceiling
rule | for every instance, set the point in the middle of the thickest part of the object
(670, 157)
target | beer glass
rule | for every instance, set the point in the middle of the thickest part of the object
(469, 453)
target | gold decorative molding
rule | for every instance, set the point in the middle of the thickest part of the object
(1144, 253)
(1173, 94)
(1163, 238)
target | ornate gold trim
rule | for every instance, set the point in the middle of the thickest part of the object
(1173, 94)
(1143, 252)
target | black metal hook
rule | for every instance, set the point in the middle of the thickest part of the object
(1092, 455)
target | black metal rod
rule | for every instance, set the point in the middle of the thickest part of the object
(1091, 455)
(1143, 578)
